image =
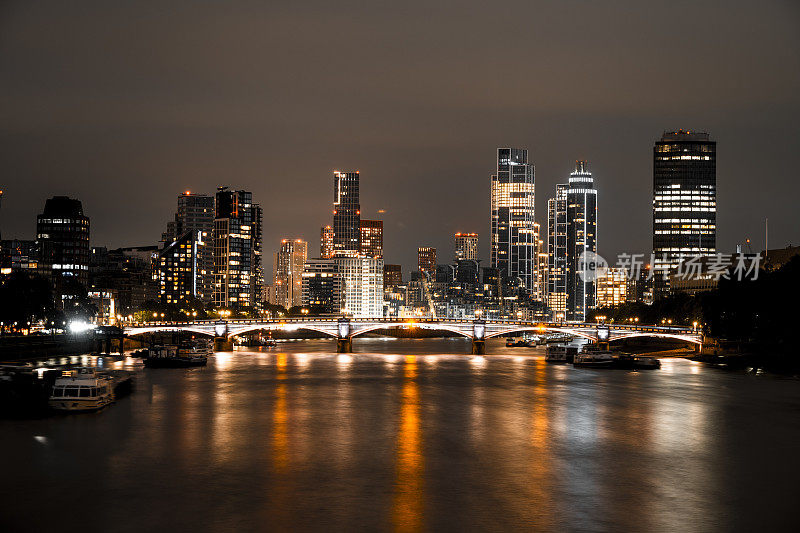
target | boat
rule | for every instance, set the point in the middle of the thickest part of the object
(594, 359)
(183, 356)
(81, 389)
(646, 363)
(561, 353)
(269, 342)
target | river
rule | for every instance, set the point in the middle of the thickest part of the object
(398, 437)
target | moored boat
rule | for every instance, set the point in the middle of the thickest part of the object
(594, 359)
(646, 363)
(183, 356)
(560, 353)
(82, 389)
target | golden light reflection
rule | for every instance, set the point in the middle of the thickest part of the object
(408, 499)
(280, 418)
(541, 468)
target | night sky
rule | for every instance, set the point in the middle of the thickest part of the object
(125, 104)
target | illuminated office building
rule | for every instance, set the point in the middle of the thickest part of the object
(513, 238)
(346, 214)
(466, 246)
(371, 238)
(326, 242)
(612, 286)
(238, 276)
(684, 201)
(62, 237)
(289, 261)
(557, 253)
(581, 239)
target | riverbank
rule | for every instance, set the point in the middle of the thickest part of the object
(32, 347)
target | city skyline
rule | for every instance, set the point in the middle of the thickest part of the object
(230, 110)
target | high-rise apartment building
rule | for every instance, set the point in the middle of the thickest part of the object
(326, 242)
(371, 238)
(62, 236)
(466, 246)
(513, 239)
(362, 286)
(346, 214)
(177, 271)
(195, 215)
(288, 272)
(426, 260)
(237, 250)
(684, 201)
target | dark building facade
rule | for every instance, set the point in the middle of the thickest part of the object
(178, 268)
(684, 201)
(195, 214)
(62, 235)
(426, 260)
(346, 214)
(392, 275)
(238, 273)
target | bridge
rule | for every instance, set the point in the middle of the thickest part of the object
(345, 329)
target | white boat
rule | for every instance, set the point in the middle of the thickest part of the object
(82, 389)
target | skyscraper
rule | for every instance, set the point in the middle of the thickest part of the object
(195, 215)
(346, 214)
(581, 240)
(237, 250)
(288, 272)
(513, 241)
(466, 246)
(326, 242)
(557, 252)
(371, 238)
(426, 260)
(684, 201)
(62, 236)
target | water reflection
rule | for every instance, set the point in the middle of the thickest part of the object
(305, 439)
(407, 513)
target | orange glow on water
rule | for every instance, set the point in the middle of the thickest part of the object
(407, 513)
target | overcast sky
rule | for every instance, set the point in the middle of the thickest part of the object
(125, 104)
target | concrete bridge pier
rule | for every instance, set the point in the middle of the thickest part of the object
(344, 339)
(478, 346)
(223, 344)
(344, 345)
(478, 337)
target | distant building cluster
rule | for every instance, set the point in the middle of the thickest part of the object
(210, 254)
